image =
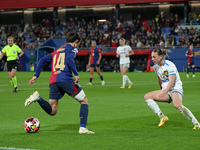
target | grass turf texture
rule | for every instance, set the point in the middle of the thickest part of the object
(120, 118)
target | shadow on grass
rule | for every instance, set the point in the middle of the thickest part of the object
(127, 124)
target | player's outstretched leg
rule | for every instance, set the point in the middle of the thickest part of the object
(189, 115)
(35, 96)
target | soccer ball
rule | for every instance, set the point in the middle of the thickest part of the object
(31, 125)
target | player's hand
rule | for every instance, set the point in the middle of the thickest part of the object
(32, 80)
(77, 79)
(97, 62)
(162, 96)
(17, 57)
(127, 55)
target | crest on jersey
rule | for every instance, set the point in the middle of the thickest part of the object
(14, 52)
(164, 74)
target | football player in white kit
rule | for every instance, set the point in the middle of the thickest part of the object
(170, 88)
(123, 52)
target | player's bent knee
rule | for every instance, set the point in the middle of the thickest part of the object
(147, 96)
(177, 106)
(53, 112)
(84, 101)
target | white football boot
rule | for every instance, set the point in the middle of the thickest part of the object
(83, 130)
(35, 96)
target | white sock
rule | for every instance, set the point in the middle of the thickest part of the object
(124, 80)
(154, 107)
(188, 114)
(127, 78)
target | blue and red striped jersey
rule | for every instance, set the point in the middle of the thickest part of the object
(62, 64)
(190, 59)
(94, 53)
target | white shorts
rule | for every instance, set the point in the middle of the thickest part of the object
(169, 94)
(126, 65)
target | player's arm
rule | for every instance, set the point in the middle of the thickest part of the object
(194, 55)
(42, 61)
(99, 58)
(20, 54)
(88, 65)
(117, 55)
(130, 53)
(187, 55)
(169, 86)
(159, 82)
(70, 59)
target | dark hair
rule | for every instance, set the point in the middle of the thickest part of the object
(72, 37)
(162, 52)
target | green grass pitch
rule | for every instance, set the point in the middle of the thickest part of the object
(120, 118)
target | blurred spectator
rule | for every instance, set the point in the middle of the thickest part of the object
(176, 31)
(78, 65)
(114, 42)
(140, 65)
(192, 31)
(167, 42)
(163, 35)
(132, 66)
(32, 61)
(139, 44)
(3, 41)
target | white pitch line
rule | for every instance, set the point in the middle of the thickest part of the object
(136, 83)
(12, 148)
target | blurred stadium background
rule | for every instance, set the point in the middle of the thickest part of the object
(41, 27)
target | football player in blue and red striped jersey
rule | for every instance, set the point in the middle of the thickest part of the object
(94, 61)
(190, 62)
(61, 81)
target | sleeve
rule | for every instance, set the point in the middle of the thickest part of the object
(98, 50)
(75, 51)
(42, 61)
(18, 49)
(129, 49)
(172, 69)
(117, 50)
(70, 60)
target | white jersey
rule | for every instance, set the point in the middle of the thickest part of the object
(123, 50)
(165, 71)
